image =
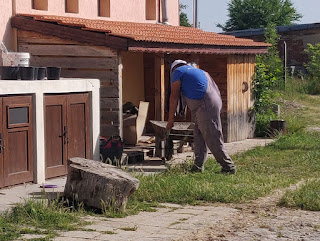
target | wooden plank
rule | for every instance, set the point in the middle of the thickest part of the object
(162, 88)
(52, 29)
(74, 62)
(120, 97)
(109, 130)
(109, 103)
(67, 50)
(157, 80)
(26, 37)
(109, 92)
(102, 74)
(109, 116)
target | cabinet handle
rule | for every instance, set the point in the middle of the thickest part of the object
(64, 135)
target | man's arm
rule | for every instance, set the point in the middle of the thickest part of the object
(174, 97)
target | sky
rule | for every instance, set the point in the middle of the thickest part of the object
(212, 12)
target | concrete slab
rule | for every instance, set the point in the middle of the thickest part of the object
(16, 194)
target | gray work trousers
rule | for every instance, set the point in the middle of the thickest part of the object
(208, 129)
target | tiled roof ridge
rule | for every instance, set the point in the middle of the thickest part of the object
(150, 32)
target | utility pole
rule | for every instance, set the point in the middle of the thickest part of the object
(195, 13)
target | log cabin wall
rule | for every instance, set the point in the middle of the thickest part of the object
(81, 61)
(216, 66)
(240, 120)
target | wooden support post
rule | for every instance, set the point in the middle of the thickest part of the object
(159, 88)
(120, 68)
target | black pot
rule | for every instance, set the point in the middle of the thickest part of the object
(9, 72)
(35, 77)
(27, 73)
(53, 73)
(41, 73)
(278, 126)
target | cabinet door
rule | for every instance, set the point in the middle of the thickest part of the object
(17, 140)
(78, 126)
(56, 135)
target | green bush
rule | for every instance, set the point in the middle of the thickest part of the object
(313, 68)
(268, 78)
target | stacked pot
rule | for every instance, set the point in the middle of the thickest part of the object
(16, 66)
(29, 73)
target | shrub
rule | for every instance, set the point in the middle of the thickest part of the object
(268, 77)
(313, 68)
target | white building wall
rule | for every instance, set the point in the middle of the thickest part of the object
(38, 89)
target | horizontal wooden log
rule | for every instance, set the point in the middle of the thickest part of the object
(109, 92)
(26, 37)
(109, 130)
(103, 75)
(108, 116)
(109, 103)
(74, 62)
(52, 29)
(67, 50)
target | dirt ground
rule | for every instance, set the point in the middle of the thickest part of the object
(262, 219)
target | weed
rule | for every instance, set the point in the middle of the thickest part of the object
(134, 228)
(174, 223)
(108, 232)
(183, 219)
(38, 217)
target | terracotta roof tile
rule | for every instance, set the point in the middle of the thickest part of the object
(151, 32)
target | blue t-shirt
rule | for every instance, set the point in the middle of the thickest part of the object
(193, 81)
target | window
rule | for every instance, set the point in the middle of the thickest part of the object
(151, 10)
(18, 115)
(104, 8)
(72, 6)
(40, 5)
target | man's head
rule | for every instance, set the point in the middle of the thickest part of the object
(177, 63)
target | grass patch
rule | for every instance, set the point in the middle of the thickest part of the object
(289, 159)
(307, 197)
(38, 217)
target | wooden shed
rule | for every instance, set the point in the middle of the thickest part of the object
(132, 60)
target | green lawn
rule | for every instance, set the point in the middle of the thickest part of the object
(260, 171)
(306, 197)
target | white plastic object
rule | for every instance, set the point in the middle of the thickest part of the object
(16, 59)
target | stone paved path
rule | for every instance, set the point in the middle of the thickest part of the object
(170, 222)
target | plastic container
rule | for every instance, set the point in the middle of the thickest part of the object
(53, 73)
(16, 59)
(27, 73)
(41, 73)
(278, 126)
(9, 72)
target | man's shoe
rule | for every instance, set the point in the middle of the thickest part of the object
(196, 168)
(230, 171)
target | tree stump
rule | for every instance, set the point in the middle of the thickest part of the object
(99, 185)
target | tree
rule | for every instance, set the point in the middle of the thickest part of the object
(246, 14)
(184, 21)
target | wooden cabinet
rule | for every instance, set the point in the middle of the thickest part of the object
(16, 140)
(67, 131)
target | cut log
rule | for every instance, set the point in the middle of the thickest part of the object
(99, 185)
